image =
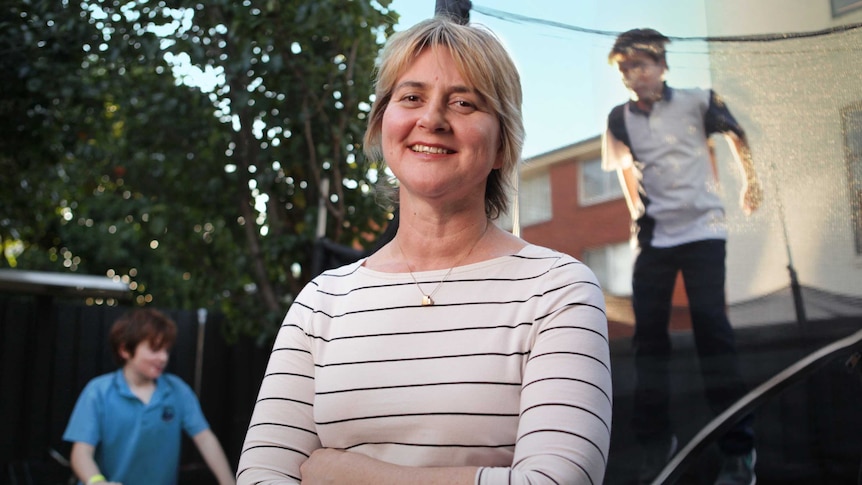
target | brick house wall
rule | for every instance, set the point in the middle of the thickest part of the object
(574, 227)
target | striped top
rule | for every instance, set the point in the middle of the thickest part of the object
(508, 371)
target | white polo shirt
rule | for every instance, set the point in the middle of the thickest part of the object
(668, 149)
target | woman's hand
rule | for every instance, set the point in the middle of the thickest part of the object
(324, 466)
(328, 466)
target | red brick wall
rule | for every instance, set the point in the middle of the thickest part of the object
(575, 228)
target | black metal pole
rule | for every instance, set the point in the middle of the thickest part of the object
(795, 289)
(457, 10)
(797, 295)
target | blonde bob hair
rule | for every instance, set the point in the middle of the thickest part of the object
(484, 63)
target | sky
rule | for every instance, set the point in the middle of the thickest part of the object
(568, 85)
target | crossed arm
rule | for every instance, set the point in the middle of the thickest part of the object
(328, 466)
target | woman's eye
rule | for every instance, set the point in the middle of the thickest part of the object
(463, 105)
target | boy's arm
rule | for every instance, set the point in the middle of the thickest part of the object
(629, 183)
(752, 192)
(616, 155)
(84, 465)
(214, 456)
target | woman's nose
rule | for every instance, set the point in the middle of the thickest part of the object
(434, 117)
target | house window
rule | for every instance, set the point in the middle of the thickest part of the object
(852, 118)
(612, 265)
(596, 184)
(534, 198)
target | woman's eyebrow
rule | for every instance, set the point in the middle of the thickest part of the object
(408, 84)
(463, 89)
(420, 85)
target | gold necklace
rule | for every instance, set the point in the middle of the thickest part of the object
(427, 299)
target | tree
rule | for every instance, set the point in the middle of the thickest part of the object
(198, 196)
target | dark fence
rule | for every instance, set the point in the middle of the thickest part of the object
(811, 433)
(50, 350)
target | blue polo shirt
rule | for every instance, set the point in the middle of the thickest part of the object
(667, 147)
(136, 443)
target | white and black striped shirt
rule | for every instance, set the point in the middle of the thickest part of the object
(509, 370)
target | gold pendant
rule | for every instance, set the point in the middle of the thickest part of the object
(427, 301)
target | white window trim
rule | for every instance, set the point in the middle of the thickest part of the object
(585, 201)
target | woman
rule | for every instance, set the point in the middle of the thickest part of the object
(457, 353)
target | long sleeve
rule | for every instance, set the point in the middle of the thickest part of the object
(509, 371)
(281, 434)
(565, 407)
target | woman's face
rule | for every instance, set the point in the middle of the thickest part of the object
(439, 137)
(642, 75)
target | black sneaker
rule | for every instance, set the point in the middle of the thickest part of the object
(738, 469)
(654, 457)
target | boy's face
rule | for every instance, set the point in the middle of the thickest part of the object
(147, 363)
(642, 75)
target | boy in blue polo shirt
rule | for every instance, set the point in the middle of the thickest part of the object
(659, 144)
(126, 427)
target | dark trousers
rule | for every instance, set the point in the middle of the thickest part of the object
(703, 269)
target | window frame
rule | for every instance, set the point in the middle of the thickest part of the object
(612, 264)
(528, 191)
(613, 191)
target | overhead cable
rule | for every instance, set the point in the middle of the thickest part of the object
(517, 18)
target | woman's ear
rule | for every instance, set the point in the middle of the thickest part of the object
(498, 162)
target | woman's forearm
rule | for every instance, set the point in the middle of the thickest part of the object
(327, 466)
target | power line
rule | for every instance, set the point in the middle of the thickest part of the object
(517, 18)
